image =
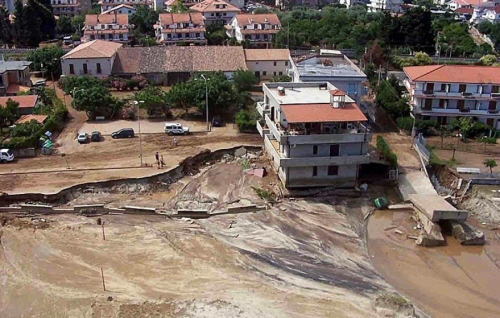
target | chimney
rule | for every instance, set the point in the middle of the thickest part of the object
(337, 98)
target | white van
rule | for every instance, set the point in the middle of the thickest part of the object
(6, 155)
(176, 129)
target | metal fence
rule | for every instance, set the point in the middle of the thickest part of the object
(470, 146)
(421, 147)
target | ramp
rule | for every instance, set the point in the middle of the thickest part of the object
(415, 182)
(436, 208)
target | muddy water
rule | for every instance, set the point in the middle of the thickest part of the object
(449, 281)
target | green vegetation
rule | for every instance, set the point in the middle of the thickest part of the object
(490, 29)
(264, 194)
(144, 20)
(47, 60)
(281, 78)
(26, 129)
(244, 81)
(246, 121)
(386, 152)
(154, 100)
(389, 97)
(490, 163)
(9, 113)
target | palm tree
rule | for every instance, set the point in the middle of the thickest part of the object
(490, 163)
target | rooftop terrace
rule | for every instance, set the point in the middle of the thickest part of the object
(337, 66)
(302, 93)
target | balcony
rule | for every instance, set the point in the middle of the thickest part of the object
(454, 95)
(324, 161)
(455, 112)
(262, 128)
(262, 108)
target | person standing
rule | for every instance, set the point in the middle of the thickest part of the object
(157, 156)
(162, 162)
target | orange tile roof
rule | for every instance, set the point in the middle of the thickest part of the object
(210, 6)
(28, 118)
(25, 101)
(267, 54)
(93, 49)
(337, 92)
(170, 18)
(95, 19)
(454, 74)
(248, 19)
(322, 113)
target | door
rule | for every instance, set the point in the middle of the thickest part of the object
(442, 120)
(492, 105)
(490, 122)
(430, 88)
(334, 150)
(428, 104)
(461, 104)
(495, 89)
(462, 88)
(272, 113)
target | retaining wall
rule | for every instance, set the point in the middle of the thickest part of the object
(24, 153)
(185, 167)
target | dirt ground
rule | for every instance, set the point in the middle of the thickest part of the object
(447, 281)
(301, 258)
(401, 146)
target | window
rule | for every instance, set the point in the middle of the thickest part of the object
(274, 73)
(351, 89)
(286, 63)
(315, 149)
(334, 150)
(211, 14)
(257, 73)
(495, 89)
(1, 80)
(443, 103)
(462, 88)
(71, 69)
(281, 73)
(315, 171)
(98, 67)
(85, 70)
(264, 73)
(274, 63)
(333, 170)
(197, 35)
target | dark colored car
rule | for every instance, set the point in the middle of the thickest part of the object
(216, 121)
(123, 133)
(96, 136)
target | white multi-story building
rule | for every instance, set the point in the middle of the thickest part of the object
(258, 29)
(109, 27)
(314, 134)
(384, 5)
(446, 92)
(186, 28)
(121, 9)
(267, 63)
(69, 8)
(92, 58)
(110, 4)
(216, 11)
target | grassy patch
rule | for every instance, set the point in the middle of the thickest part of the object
(264, 194)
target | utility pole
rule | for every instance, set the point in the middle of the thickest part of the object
(103, 236)
(102, 276)
(288, 37)
(136, 103)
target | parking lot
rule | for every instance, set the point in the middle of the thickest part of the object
(147, 126)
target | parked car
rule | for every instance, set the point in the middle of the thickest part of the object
(216, 121)
(176, 129)
(83, 138)
(96, 136)
(123, 133)
(38, 83)
(6, 155)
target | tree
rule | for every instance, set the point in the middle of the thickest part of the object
(422, 58)
(444, 131)
(281, 78)
(97, 101)
(5, 27)
(244, 80)
(484, 27)
(375, 55)
(488, 60)
(222, 94)
(9, 113)
(47, 59)
(26, 129)
(216, 34)
(48, 21)
(179, 7)
(154, 100)
(144, 19)
(490, 163)
(465, 126)
(64, 25)
(180, 96)
(77, 23)
(68, 84)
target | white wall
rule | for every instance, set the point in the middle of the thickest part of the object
(106, 66)
(269, 68)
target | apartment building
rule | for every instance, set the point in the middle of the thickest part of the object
(110, 4)
(94, 58)
(257, 29)
(14, 77)
(267, 63)
(445, 92)
(385, 5)
(216, 11)
(333, 67)
(69, 8)
(109, 27)
(185, 28)
(314, 134)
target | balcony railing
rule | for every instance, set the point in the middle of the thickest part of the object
(262, 108)
(444, 94)
(455, 111)
(325, 161)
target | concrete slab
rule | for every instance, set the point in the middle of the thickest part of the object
(415, 182)
(437, 208)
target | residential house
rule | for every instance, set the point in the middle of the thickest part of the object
(110, 4)
(185, 28)
(463, 14)
(109, 27)
(352, 3)
(485, 13)
(266, 63)
(258, 30)
(27, 118)
(92, 58)
(70, 8)
(385, 5)
(8, 5)
(121, 9)
(27, 103)
(173, 64)
(14, 77)
(216, 11)
(333, 67)
(446, 92)
(314, 133)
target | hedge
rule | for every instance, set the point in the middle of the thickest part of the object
(55, 122)
(386, 151)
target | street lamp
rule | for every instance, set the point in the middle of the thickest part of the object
(412, 130)
(136, 103)
(206, 101)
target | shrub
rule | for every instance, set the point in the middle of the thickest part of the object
(26, 129)
(128, 113)
(386, 151)
(479, 129)
(405, 123)
(426, 126)
(245, 121)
